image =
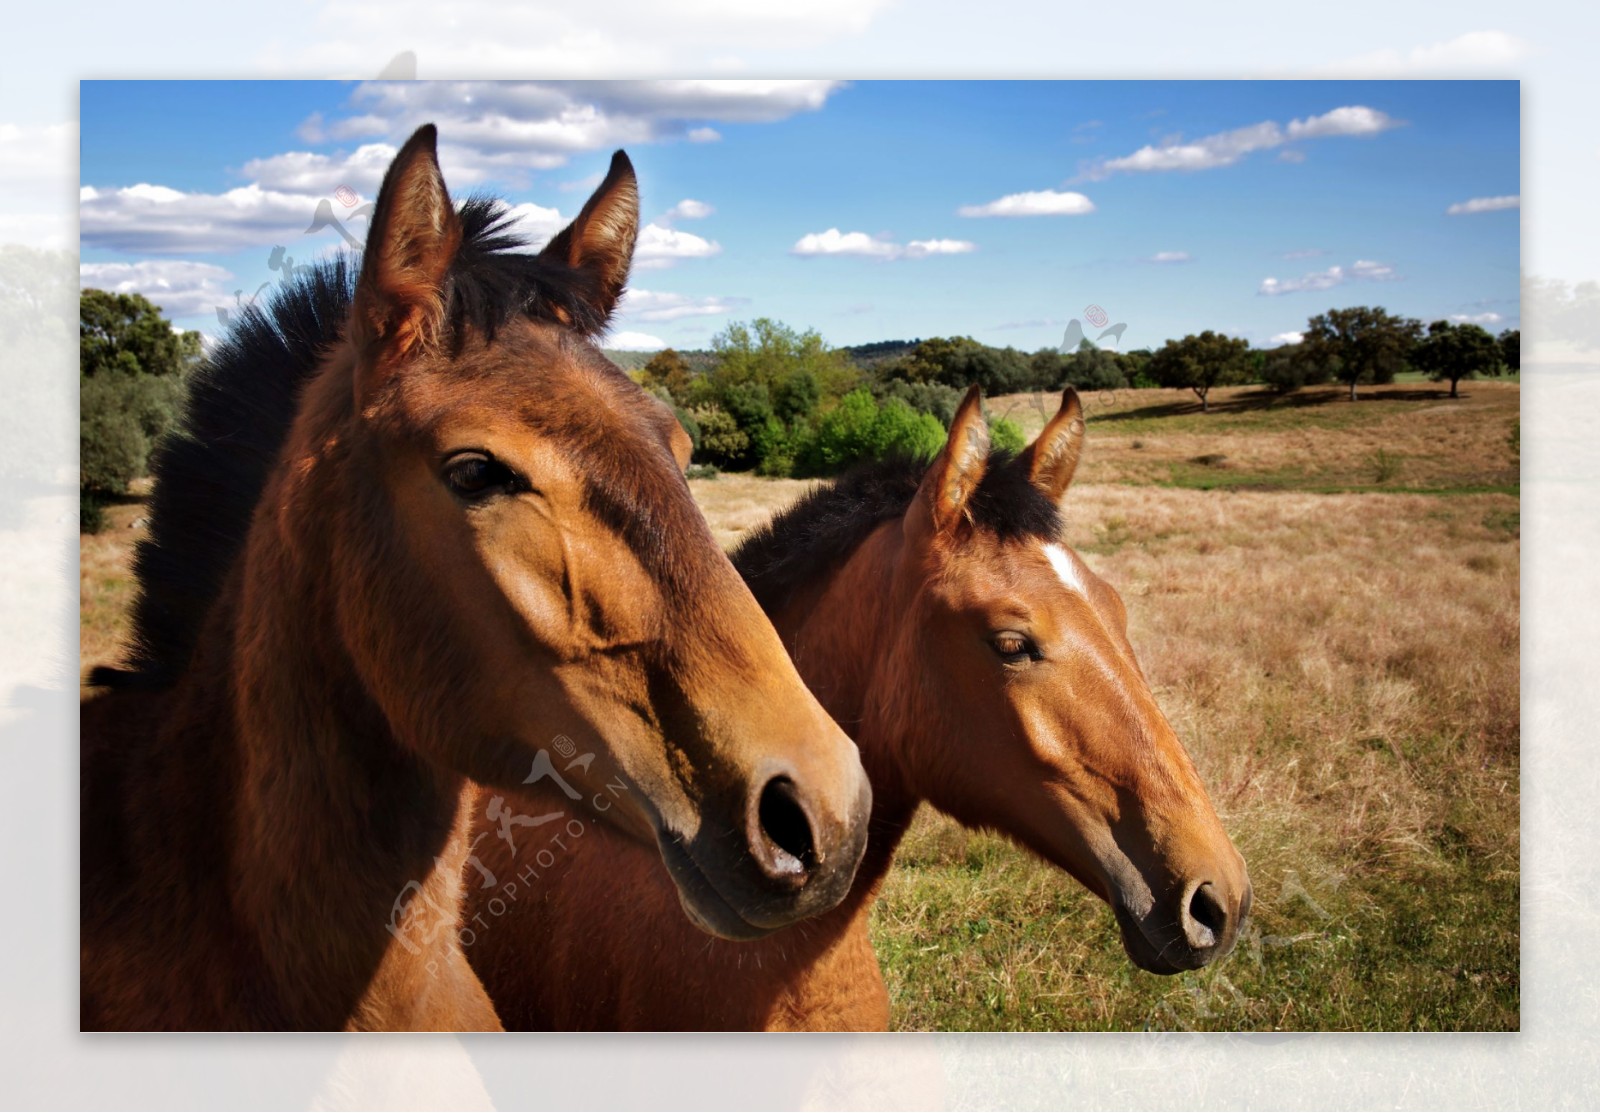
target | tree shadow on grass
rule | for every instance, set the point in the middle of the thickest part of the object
(1264, 401)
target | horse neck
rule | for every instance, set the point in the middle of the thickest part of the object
(331, 817)
(841, 634)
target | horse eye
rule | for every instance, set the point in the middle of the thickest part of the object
(1014, 648)
(473, 475)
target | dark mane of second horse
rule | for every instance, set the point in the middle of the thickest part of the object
(823, 528)
(210, 472)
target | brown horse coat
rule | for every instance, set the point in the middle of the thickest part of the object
(980, 666)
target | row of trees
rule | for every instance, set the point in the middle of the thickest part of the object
(782, 402)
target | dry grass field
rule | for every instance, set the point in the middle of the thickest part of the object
(1325, 597)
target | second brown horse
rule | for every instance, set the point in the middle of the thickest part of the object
(981, 666)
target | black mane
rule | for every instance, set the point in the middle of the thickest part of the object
(210, 471)
(823, 528)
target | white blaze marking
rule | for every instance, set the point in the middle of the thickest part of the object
(1066, 567)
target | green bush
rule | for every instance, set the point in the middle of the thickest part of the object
(796, 397)
(859, 429)
(1007, 435)
(722, 442)
(113, 445)
(927, 398)
(772, 444)
(91, 513)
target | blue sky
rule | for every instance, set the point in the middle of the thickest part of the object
(865, 210)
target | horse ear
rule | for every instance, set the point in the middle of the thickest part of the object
(1053, 457)
(598, 244)
(958, 469)
(399, 299)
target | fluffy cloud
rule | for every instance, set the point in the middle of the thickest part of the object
(152, 219)
(654, 305)
(181, 288)
(687, 209)
(1283, 338)
(1169, 257)
(505, 129)
(660, 246)
(305, 172)
(862, 245)
(1362, 270)
(1486, 318)
(1485, 205)
(1227, 147)
(536, 224)
(635, 342)
(1042, 202)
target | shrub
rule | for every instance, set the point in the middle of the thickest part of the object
(1092, 369)
(113, 446)
(1007, 435)
(91, 513)
(773, 447)
(721, 440)
(859, 429)
(796, 397)
(927, 398)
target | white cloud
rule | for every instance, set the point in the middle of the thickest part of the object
(1354, 120)
(306, 172)
(536, 224)
(1479, 53)
(1169, 257)
(1362, 270)
(181, 288)
(1488, 318)
(918, 248)
(654, 305)
(634, 341)
(1043, 202)
(152, 219)
(660, 246)
(1282, 338)
(687, 209)
(505, 129)
(862, 245)
(1225, 148)
(835, 242)
(1485, 205)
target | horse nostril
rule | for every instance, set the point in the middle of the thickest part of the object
(1204, 920)
(783, 844)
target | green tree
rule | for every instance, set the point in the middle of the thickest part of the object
(669, 371)
(1455, 352)
(1289, 367)
(1362, 344)
(1511, 348)
(133, 367)
(721, 440)
(126, 333)
(1091, 369)
(1201, 362)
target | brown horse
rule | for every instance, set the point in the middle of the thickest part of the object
(420, 532)
(981, 666)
